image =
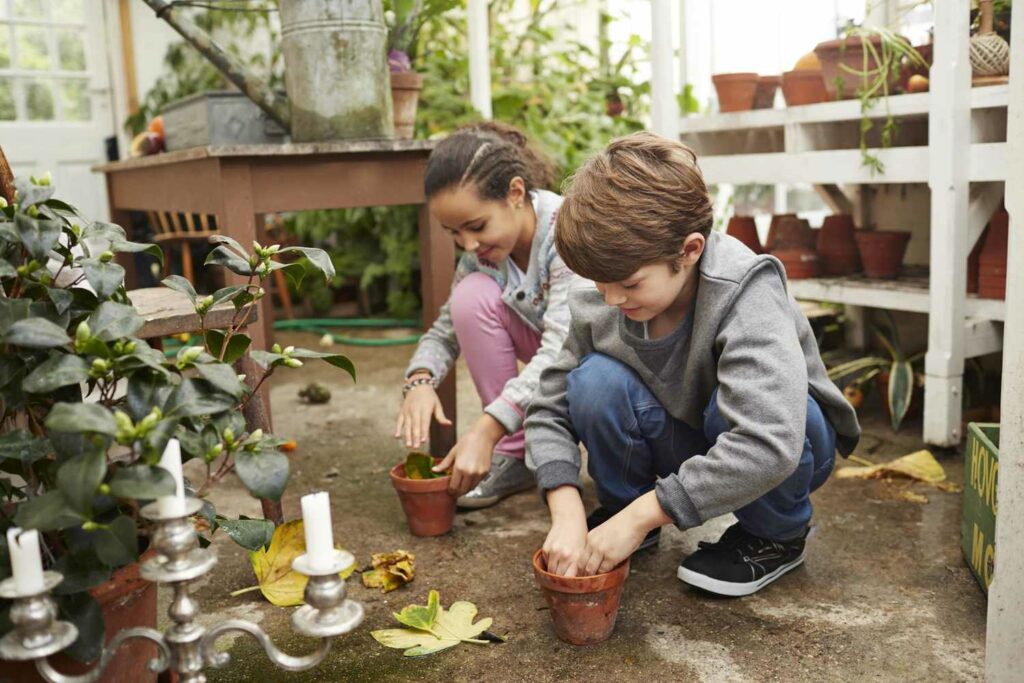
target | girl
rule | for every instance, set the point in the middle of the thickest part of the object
(508, 303)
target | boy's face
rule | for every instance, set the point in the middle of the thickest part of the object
(489, 228)
(655, 288)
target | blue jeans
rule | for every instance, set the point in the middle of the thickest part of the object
(632, 441)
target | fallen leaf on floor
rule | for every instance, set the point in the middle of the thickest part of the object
(448, 628)
(390, 570)
(275, 578)
(912, 496)
(919, 466)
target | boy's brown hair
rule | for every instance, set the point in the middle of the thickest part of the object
(632, 205)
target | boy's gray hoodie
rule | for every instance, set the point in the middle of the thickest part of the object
(745, 336)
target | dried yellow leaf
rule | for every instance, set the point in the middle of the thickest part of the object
(390, 570)
(920, 466)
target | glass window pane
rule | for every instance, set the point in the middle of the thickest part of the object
(68, 10)
(70, 50)
(32, 52)
(8, 111)
(30, 9)
(39, 100)
(74, 101)
(5, 45)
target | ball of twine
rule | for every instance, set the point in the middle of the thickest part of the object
(990, 55)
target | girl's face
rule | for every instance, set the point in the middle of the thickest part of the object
(491, 229)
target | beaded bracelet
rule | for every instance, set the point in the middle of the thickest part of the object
(416, 382)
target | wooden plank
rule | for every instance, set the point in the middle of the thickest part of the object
(131, 83)
(168, 312)
(187, 187)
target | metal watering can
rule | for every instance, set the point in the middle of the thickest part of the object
(336, 68)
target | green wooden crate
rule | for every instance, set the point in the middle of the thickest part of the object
(978, 528)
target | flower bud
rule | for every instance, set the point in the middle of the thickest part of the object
(229, 435)
(276, 348)
(82, 332)
(130, 347)
(32, 211)
(256, 435)
(293, 362)
(107, 256)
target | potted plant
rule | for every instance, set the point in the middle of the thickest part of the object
(87, 408)
(405, 19)
(583, 608)
(429, 507)
(900, 380)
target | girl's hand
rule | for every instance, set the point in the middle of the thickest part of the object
(470, 458)
(564, 546)
(419, 405)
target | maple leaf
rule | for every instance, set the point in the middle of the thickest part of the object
(433, 628)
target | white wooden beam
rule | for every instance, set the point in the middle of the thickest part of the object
(835, 198)
(479, 57)
(664, 107)
(949, 129)
(1004, 659)
(985, 198)
(982, 337)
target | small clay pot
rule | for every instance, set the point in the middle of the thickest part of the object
(794, 246)
(405, 97)
(583, 609)
(882, 251)
(764, 95)
(993, 257)
(974, 263)
(832, 53)
(837, 247)
(769, 243)
(744, 229)
(803, 87)
(429, 508)
(735, 91)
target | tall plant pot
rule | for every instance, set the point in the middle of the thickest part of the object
(764, 94)
(744, 229)
(773, 226)
(735, 91)
(583, 609)
(405, 96)
(837, 247)
(882, 251)
(993, 257)
(127, 601)
(428, 507)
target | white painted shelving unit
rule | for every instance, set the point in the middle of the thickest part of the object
(952, 138)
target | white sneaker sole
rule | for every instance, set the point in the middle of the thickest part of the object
(731, 588)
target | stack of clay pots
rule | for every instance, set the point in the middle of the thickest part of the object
(744, 229)
(804, 84)
(744, 91)
(794, 245)
(993, 256)
(837, 247)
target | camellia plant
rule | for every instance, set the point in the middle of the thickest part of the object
(86, 407)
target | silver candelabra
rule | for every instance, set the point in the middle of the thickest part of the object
(186, 647)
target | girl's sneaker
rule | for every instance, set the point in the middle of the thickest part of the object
(508, 475)
(740, 563)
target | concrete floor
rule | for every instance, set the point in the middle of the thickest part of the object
(884, 594)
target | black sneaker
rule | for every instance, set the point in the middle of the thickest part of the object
(601, 515)
(740, 563)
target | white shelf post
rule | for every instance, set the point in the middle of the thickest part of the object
(949, 128)
(1004, 659)
(664, 108)
(479, 57)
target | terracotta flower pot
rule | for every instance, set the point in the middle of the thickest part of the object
(993, 257)
(127, 601)
(882, 251)
(735, 91)
(764, 94)
(794, 246)
(769, 243)
(803, 87)
(744, 229)
(428, 507)
(974, 263)
(583, 609)
(832, 53)
(837, 247)
(405, 97)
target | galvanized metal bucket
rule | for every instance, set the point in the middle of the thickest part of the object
(336, 69)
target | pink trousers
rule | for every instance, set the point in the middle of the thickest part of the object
(492, 338)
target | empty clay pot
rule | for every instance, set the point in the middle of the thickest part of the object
(764, 95)
(993, 257)
(837, 248)
(769, 243)
(803, 87)
(735, 91)
(583, 609)
(405, 98)
(744, 229)
(794, 246)
(882, 251)
(428, 507)
(832, 53)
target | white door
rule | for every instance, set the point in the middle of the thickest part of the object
(55, 96)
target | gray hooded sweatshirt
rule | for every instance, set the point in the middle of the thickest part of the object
(745, 336)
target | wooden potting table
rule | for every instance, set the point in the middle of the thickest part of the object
(240, 183)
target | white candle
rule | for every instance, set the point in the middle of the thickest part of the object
(171, 461)
(26, 562)
(316, 523)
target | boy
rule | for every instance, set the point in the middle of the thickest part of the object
(690, 375)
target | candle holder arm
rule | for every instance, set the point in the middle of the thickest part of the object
(208, 647)
(156, 664)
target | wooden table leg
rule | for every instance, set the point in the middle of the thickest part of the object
(126, 260)
(437, 265)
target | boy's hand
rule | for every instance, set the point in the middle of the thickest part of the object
(617, 539)
(568, 536)
(470, 458)
(420, 404)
